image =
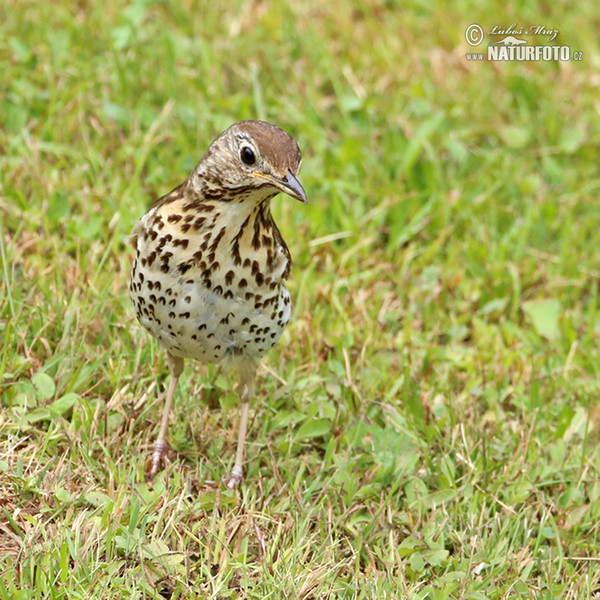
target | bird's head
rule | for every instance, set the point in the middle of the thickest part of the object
(248, 158)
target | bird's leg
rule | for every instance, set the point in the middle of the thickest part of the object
(246, 391)
(160, 448)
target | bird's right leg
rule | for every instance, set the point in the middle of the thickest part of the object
(159, 455)
(246, 391)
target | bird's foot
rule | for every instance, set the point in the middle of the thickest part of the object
(234, 479)
(159, 457)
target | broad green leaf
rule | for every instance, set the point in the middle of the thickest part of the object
(313, 428)
(515, 136)
(544, 315)
(437, 557)
(37, 414)
(417, 562)
(62, 405)
(564, 420)
(44, 385)
(571, 139)
(63, 495)
(127, 543)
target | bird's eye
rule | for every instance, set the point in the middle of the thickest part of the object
(247, 156)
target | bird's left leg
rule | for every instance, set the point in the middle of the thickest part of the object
(246, 391)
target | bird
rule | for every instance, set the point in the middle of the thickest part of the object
(208, 277)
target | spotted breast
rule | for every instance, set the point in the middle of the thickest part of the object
(194, 291)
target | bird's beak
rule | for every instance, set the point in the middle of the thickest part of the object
(288, 184)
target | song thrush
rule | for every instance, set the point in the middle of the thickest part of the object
(208, 277)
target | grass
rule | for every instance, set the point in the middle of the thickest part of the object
(427, 428)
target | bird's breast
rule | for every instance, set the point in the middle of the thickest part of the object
(207, 288)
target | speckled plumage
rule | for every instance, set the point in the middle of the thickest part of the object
(208, 277)
(201, 287)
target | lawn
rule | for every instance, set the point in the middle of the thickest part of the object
(428, 426)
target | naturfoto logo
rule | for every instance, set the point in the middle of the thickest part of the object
(514, 45)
